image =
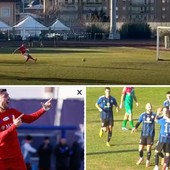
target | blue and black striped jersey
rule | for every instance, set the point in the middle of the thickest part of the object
(106, 104)
(164, 135)
(148, 124)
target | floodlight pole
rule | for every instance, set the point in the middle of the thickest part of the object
(112, 34)
(157, 49)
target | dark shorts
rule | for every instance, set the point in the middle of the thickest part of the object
(107, 122)
(146, 140)
(160, 146)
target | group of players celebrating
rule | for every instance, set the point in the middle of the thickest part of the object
(105, 105)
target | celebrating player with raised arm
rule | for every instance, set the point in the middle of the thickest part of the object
(147, 119)
(105, 106)
(163, 143)
(10, 119)
(25, 52)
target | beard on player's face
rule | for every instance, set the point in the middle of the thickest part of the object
(4, 102)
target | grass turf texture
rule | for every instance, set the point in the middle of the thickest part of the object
(123, 153)
(101, 66)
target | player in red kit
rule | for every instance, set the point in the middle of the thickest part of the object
(25, 52)
(10, 119)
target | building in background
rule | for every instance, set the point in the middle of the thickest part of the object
(8, 11)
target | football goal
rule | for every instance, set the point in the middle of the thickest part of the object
(163, 43)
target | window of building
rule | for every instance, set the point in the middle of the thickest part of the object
(163, 9)
(163, 1)
(5, 12)
(152, 8)
(163, 16)
(123, 8)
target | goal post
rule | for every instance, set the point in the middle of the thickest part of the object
(163, 33)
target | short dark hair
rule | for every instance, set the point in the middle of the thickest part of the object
(28, 137)
(3, 90)
(168, 92)
(107, 88)
(46, 138)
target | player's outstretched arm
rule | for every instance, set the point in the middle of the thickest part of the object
(47, 105)
(28, 118)
(159, 112)
(15, 50)
(17, 121)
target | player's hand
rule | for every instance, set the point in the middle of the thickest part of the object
(100, 110)
(117, 109)
(18, 120)
(47, 105)
(159, 111)
(133, 130)
(137, 104)
(120, 106)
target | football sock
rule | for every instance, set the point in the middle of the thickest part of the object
(156, 159)
(148, 155)
(167, 161)
(109, 136)
(124, 123)
(141, 154)
(131, 124)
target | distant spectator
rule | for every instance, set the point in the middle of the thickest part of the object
(30, 41)
(27, 150)
(62, 153)
(44, 152)
(77, 155)
(41, 40)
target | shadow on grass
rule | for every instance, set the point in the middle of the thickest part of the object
(110, 152)
(95, 121)
(112, 68)
(56, 80)
(55, 50)
(163, 60)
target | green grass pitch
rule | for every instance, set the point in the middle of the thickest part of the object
(107, 65)
(123, 153)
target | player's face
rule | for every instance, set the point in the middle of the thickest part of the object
(148, 108)
(107, 92)
(4, 100)
(168, 96)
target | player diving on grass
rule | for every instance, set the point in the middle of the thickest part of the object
(10, 119)
(25, 52)
(147, 119)
(105, 106)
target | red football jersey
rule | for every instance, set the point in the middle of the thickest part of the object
(22, 49)
(10, 151)
(127, 90)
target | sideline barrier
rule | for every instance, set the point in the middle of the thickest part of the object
(63, 129)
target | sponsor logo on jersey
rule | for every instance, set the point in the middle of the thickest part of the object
(8, 125)
(5, 118)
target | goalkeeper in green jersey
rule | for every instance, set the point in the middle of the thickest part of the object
(127, 97)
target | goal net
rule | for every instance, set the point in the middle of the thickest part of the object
(163, 43)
